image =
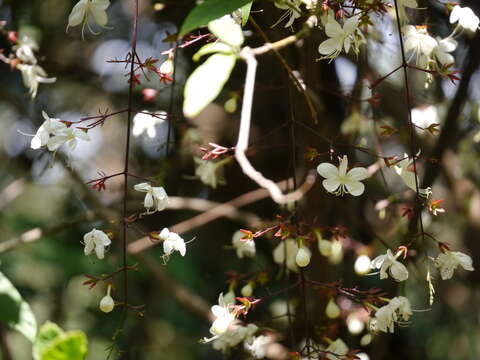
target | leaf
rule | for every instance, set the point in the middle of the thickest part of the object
(54, 344)
(15, 311)
(206, 82)
(246, 12)
(216, 47)
(209, 10)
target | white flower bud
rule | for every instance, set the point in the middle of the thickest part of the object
(362, 265)
(325, 247)
(247, 290)
(332, 310)
(303, 256)
(167, 67)
(107, 304)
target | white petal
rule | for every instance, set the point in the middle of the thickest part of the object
(330, 46)
(148, 202)
(78, 13)
(327, 170)
(99, 15)
(358, 174)
(356, 188)
(333, 29)
(399, 271)
(331, 184)
(342, 169)
(464, 260)
(100, 251)
(143, 187)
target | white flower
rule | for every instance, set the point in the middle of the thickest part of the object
(448, 261)
(107, 304)
(67, 136)
(397, 310)
(49, 127)
(85, 9)
(172, 242)
(303, 256)
(293, 10)
(96, 240)
(223, 317)
(234, 336)
(338, 347)
(32, 76)
(443, 49)
(340, 37)
(258, 346)
(338, 181)
(389, 263)
(465, 17)
(146, 122)
(156, 197)
(25, 50)
(291, 249)
(424, 116)
(209, 172)
(419, 43)
(403, 168)
(243, 247)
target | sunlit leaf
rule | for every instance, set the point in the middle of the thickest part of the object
(246, 12)
(55, 344)
(206, 82)
(216, 47)
(209, 10)
(15, 311)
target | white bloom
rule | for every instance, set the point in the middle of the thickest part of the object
(25, 50)
(465, 17)
(293, 10)
(443, 49)
(68, 136)
(340, 37)
(338, 347)
(172, 242)
(223, 317)
(107, 304)
(291, 249)
(389, 263)
(243, 247)
(85, 9)
(96, 240)
(448, 261)
(234, 336)
(143, 122)
(32, 76)
(156, 198)
(404, 169)
(49, 127)
(419, 43)
(424, 116)
(303, 256)
(325, 247)
(338, 181)
(397, 310)
(209, 172)
(258, 346)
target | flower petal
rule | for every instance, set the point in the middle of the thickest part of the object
(331, 185)
(358, 174)
(356, 188)
(327, 170)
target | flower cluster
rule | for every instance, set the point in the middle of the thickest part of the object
(398, 310)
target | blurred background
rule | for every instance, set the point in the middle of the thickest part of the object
(45, 206)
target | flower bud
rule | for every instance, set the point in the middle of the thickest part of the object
(231, 105)
(325, 247)
(303, 256)
(362, 265)
(107, 304)
(332, 310)
(247, 290)
(167, 67)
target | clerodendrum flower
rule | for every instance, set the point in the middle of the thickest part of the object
(397, 310)
(49, 127)
(465, 17)
(336, 350)
(172, 242)
(68, 136)
(85, 9)
(341, 38)
(338, 181)
(96, 240)
(419, 43)
(224, 317)
(293, 10)
(243, 247)
(288, 247)
(156, 198)
(34, 75)
(107, 303)
(389, 263)
(448, 261)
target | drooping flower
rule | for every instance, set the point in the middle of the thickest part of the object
(234, 336)
(341, 38)
(448, 261)
(258, 346)
(292, 8)
(143, 122)
(388, 263)
(404, 169)
(96, 240)
(442, 52)
(465, 17)
(336, 350)
(32, 76)
(86, 9)
(172, 242)
(397, 310)
(107, 303)
(49, 127)
(210, 172)
(243, 247)
(224, 317)
(338, 181)
(25, 50)
(68, 136)
(419, 44)
(156, 198)
(291, 248)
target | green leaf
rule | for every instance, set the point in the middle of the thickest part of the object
(246, 12)
(209, 10)
(15, 311)
(206, 82)
(216, 47)
(55, 344)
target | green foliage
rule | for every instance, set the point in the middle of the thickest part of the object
(210, 10)
(54, 344)
(246, 12)
(15, 311)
